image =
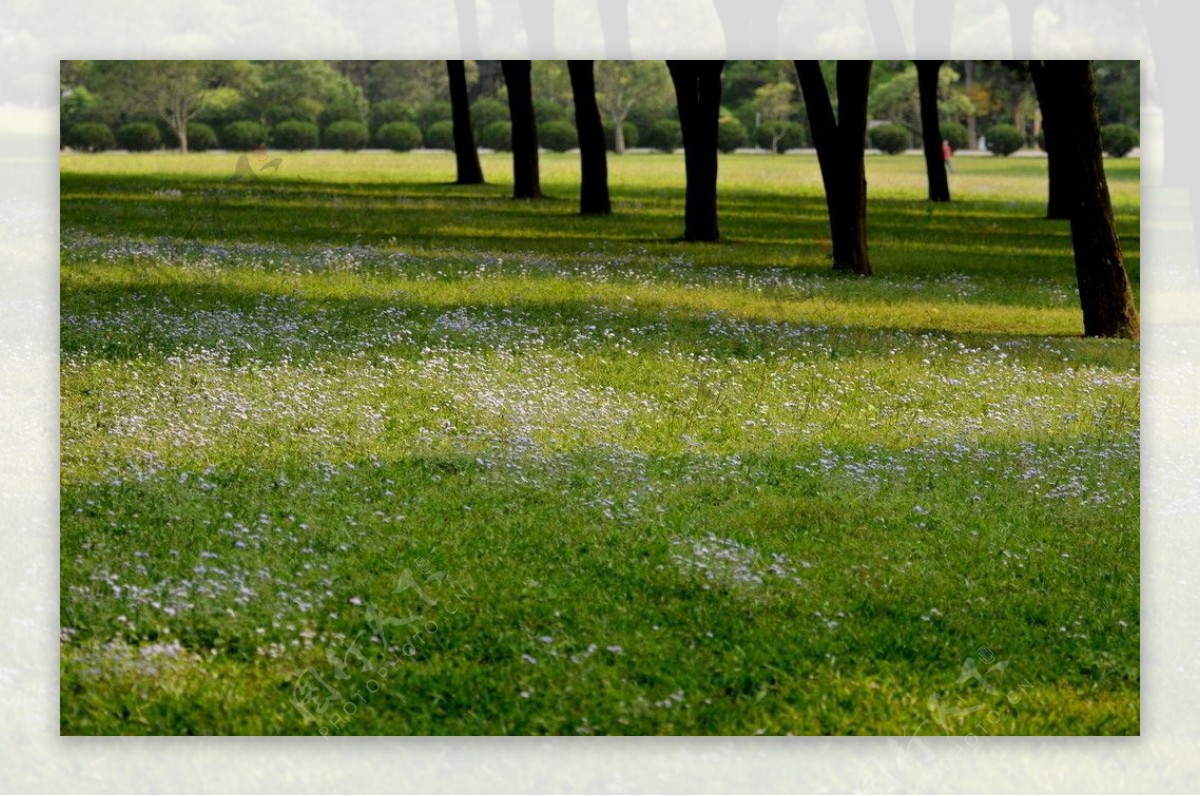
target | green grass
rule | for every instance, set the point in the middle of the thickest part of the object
(485, 466)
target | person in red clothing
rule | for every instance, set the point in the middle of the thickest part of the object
(947, 155)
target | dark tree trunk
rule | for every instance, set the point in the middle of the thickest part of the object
(933, 24)
(1020, 25)
(749, 28)
(931, 132)
(538, 18)
(1059, 204)
(840, 143)
(593, 161)
(526, 181)
(614, 21)
(698, 94)
(465, 154)
(468, 27)
(885, 29)
(1104, 292)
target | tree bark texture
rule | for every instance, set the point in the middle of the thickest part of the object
(931, 133)
(593, 160)
(698, 94)
(841, 142)
(1105, 295)
(526, 179)
(466, 156)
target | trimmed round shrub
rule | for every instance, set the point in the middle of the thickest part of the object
(731, 134)
(497, 136)
(630, 131)
(955, 133)
(243, 136)
(295, 135)
(347, 135)
(201, 137)
(391, 111)
(558, 136)
(399, 136)
(90, 137)
(549, 112)
(440, 135)
(891, 139)
(1004, 139)
(434, 112)
(139, 136)
(487, 111)
(1118, 139)
(792, 136)
(664, 135)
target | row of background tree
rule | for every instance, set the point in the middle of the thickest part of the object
(405, 104)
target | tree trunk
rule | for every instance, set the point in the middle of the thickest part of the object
(526, 181)
(933, 24)
(698, 94)
(1104, 292)
(931, 133)
(885, 29)
(593, 160)
(466, 155)
(1058, 206)
(1020, 25)
(614, 21)
(840, 143)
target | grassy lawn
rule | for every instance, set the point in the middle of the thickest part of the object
(347, 449)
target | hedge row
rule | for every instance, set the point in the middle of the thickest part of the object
(495, 132)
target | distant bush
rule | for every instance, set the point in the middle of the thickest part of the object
(399, 136)
(731, 134)
(549, 112)
(955, 133)
(792, 136)
(391, 111)
(90, 137)
(558, 136)
(1041, 140)
(201, 137)
(630, 131)
(434, 112)
(497, 136)
(1118, 139)
(440, 135)
(304, 109)
(891, 139)
(243, 136)
(139, 136)
(487, 111)
(664, 135)
(347, 135)
(295, 135)
(1004, 139)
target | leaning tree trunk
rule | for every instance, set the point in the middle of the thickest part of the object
(933, 24)
(1061, 181)
(1104, 292)
(526, 181)
(593, 161)
(698, 94)
(840, 143)
(931, 133)
(466, 155)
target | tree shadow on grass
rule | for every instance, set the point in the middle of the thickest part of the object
(908, 238)
(680, 323)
